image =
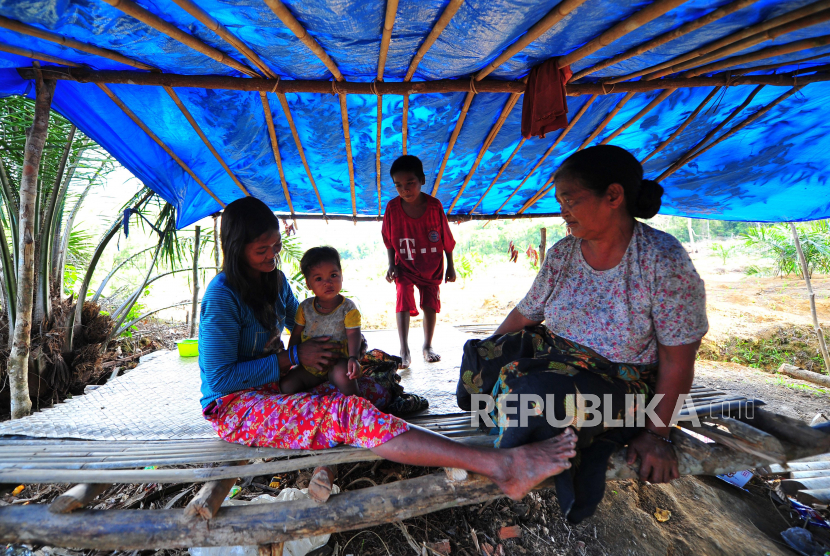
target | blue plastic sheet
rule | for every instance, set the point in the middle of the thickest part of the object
(771, 170)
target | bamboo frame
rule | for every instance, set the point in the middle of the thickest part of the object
(205, 140)
(287, 110)
(646, 109)
(684, 29)
(812, 296)
(388, 24)
(729, 39)
(624, 27)
(727, 79)
(272, 134)
(405, 122)
(766, 67)
(344, 116)
(25, 52)
(488, 141)
(451, 218)
(682, 126)
(735, 129)
(605, 121)
(155, 22)
(539, 194)
(498, 175)
(557, 14)
(31, 31)
(130, 114)
(460, 122)
(377, 149)
(550, 150)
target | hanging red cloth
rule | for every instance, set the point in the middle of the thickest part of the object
(545, 107)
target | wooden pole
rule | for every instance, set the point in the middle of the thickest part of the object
(194, 308)
(26, 53)
(217, 242)
(682, 126)
(344, 117)
(158, 141)
(488, 141)
(498, 175)
(452, 218)
(543, 245)
(646, 109)
(812, 295)
(676, 33)
(405, 122)
(388, 24)
(207, 501)
(272, 134)
(76, 497)
(691, 235)
(287, 110)
(460, 122)
(605, 121)
(446, 16)
(377, 150)
(18, 362)
(539, 194)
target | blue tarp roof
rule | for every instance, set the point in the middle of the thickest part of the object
(773, 170)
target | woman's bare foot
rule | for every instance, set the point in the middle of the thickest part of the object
(531, 464)
(430, 356)
(406, 358)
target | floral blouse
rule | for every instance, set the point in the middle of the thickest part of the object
(653, 295)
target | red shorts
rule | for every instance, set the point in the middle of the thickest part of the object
(405, 301)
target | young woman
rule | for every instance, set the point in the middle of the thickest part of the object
(249, 303)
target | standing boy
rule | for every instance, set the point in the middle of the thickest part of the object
(416, 234)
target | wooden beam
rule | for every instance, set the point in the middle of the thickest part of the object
(539, 194)
(31, 31)
(76, 497)
(405, 121)
(446, 16)
(624, 27)
(130, 114)
(550, 150)
(344, 117)
(813, 8)
(557, 14)
(498, 175)
(452, 218)
(605, 121)
(272, 134)
(488, 141)
(460, 122)
(682, 126)
(377, 150)
(766, 67)
(205, 140)
(25, 52)
(287, 110)
(386, 37)
(676, 33)
(646, 109)
(207, 501)
(728, 79)
(288, 19)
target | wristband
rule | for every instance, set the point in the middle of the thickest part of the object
(660, 436)
(293, 357)
(297, 355)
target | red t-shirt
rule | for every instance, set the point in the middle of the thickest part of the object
(419, 243)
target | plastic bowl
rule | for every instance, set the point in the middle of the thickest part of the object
(188, 348)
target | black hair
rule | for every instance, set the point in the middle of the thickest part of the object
(243, 221)
(595, 168)
(317, 255)
(408, 163)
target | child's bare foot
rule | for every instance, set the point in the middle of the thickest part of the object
(533, 463)
(406, 358)
(430, 356)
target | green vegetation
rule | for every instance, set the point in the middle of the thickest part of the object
(796, 345)
(775, 243)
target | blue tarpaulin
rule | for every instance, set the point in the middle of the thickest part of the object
(772, 170)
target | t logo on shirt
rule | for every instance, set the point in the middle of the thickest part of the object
(408, 250)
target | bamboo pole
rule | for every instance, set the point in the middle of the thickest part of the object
(405, 122)
(155, 22)
(639, 115)
(765, 67)
(682, 126)
(539, 194)
(812, 295)
(624, 27)
(460, 122)
(543, 244)
(557, 14)
(217, 242)
(203, 137)
(288, 19)
(18, 362)
(194, 309)
(676, 33)
(344, 117)
(388, 24)
(158, 141)
(207, 501)
(25, 52)
(272, 134)
(76, 497)
(498, 175)
(488, 141)
(810, 9)
(287, 110)
(452, 218)
(731, 132)
(31, 31)
(605, 121)
(377, 149)
(728, 79)
(550, 150)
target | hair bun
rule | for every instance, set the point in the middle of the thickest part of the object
(648, 200)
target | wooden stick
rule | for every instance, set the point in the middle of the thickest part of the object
(287, 110)
(460, 122)
(452, 218)
(488, 141)
(682, 126)
(405, 122)
(76, 497)
(557, 14)
(801, 440)
(731, 132)
(36, 55)
(805, 270)
(801, 374)
(777, 65)
(204, 138)
(31, 31)
(810, 9)
(155, 22)
(446, 16)
(550, 150)
(498, 175)
(194, 307)
(728, 79)
(624, 27)
(272, 133)
(344, 117)
(377, 150)
(388, 23)
(206, 503)
(208, 21)
(288, 19)
(678, 32)
(539, 194)
(605, 121)
(648, 108)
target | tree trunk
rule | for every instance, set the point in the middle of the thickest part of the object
(543, 244)
(691, 235)
(18, 366)
(194, 311)
(819, 332)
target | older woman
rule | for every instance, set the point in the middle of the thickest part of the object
(624, 313)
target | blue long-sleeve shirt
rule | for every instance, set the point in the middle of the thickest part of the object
(231, 340)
